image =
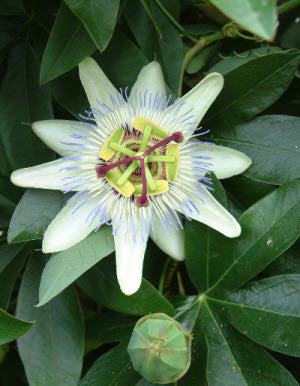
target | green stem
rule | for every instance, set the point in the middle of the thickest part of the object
(287, 6)
(162, 276)
(202, 42)
(175, 22)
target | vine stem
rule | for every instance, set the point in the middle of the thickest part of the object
(175, 22)
(201, 43)
(163, 275)
(287, 6)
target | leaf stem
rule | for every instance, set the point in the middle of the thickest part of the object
(201, 43)
(287, 6)
(175, 22)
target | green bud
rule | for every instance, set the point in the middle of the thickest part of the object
(160, 348)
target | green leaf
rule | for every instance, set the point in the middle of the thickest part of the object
(19, 109)
(33, 214)
(171, 44)
(99, 18)
(252, 87)
(288, 262)
(9, 275)
(247, 191)
(112, 368)
(269, 227)
(101, 284)
(235, 360)
(188, 309)
(8, 253)
(142, 27)
(65, 267)
(52, 351)
(109, 327)
(7, 208)
(291, 37)
(68, 92)
(149, 13)
(271, 142)
(122, 61)
(267, 311)
(221, 355)
(12, 328)
(168, 50)
(198, 238)
(256, 16)
(69, 43)
(8, 7)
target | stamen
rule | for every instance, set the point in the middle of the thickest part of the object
(145, 139)
(122, 149)
(127, 173)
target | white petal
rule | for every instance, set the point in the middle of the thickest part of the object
(54, 132)
(201, 97)
(96, 84)
(45, 176)
(214, 215)
(129, 259)
(226, 162)
(171, 242)
(150, 78)
(68, 228)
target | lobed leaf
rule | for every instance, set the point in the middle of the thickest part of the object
(270, 141)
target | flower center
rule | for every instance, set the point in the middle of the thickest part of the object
(141, 162)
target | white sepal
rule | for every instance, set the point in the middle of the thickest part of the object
(213, 214)
(130, 253)
(69, 227)
(201, 97)
(150, 78)
(50, 175)
(58, 134)
(96, 84)
(171, 242)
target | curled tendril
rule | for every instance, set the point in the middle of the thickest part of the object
(230, 30)
(260, 55)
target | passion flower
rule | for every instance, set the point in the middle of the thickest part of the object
(134, 162)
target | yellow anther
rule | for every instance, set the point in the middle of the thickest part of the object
(107, 152)
(172, 168)
(157, 132)
(112, 176)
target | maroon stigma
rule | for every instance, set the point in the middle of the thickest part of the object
(143, 199)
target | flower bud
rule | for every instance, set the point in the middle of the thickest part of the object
(160, 348)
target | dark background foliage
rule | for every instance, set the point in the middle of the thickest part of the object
(238, 297)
